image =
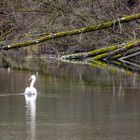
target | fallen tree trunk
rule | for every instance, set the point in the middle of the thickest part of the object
(133, 54)
(108, 53)
(91, 54)
(119, 52)
(99, 26)
(124, 52)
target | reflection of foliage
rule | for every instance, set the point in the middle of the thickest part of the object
(83, 78)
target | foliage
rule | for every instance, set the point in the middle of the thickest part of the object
(27, 20)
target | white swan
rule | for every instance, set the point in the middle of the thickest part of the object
(30, 95)
(31, 92)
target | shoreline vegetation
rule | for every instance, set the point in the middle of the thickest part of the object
(90, 39)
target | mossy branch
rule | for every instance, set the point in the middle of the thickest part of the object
(108, 53)
(96, 27)
(117, 53)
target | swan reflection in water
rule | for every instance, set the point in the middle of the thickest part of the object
(30, 99)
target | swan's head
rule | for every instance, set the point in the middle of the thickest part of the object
(33, 77)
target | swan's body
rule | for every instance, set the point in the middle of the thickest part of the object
(31, 92)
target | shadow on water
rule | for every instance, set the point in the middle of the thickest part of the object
(45, 66)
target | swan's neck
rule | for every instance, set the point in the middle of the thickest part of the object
(32, 83)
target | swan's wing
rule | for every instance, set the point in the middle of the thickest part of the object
(30, 94)
(34, 91)
(30, 90)
(27, 90)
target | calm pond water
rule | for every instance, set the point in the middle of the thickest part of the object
(74, 102)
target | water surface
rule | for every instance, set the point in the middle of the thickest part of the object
(74, 102)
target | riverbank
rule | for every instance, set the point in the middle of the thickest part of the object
(41, 18)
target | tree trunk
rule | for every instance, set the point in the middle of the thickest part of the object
(107, 53)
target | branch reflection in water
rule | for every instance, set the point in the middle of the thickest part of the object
(31, 115)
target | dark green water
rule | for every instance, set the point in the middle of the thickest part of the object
(73, 103)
